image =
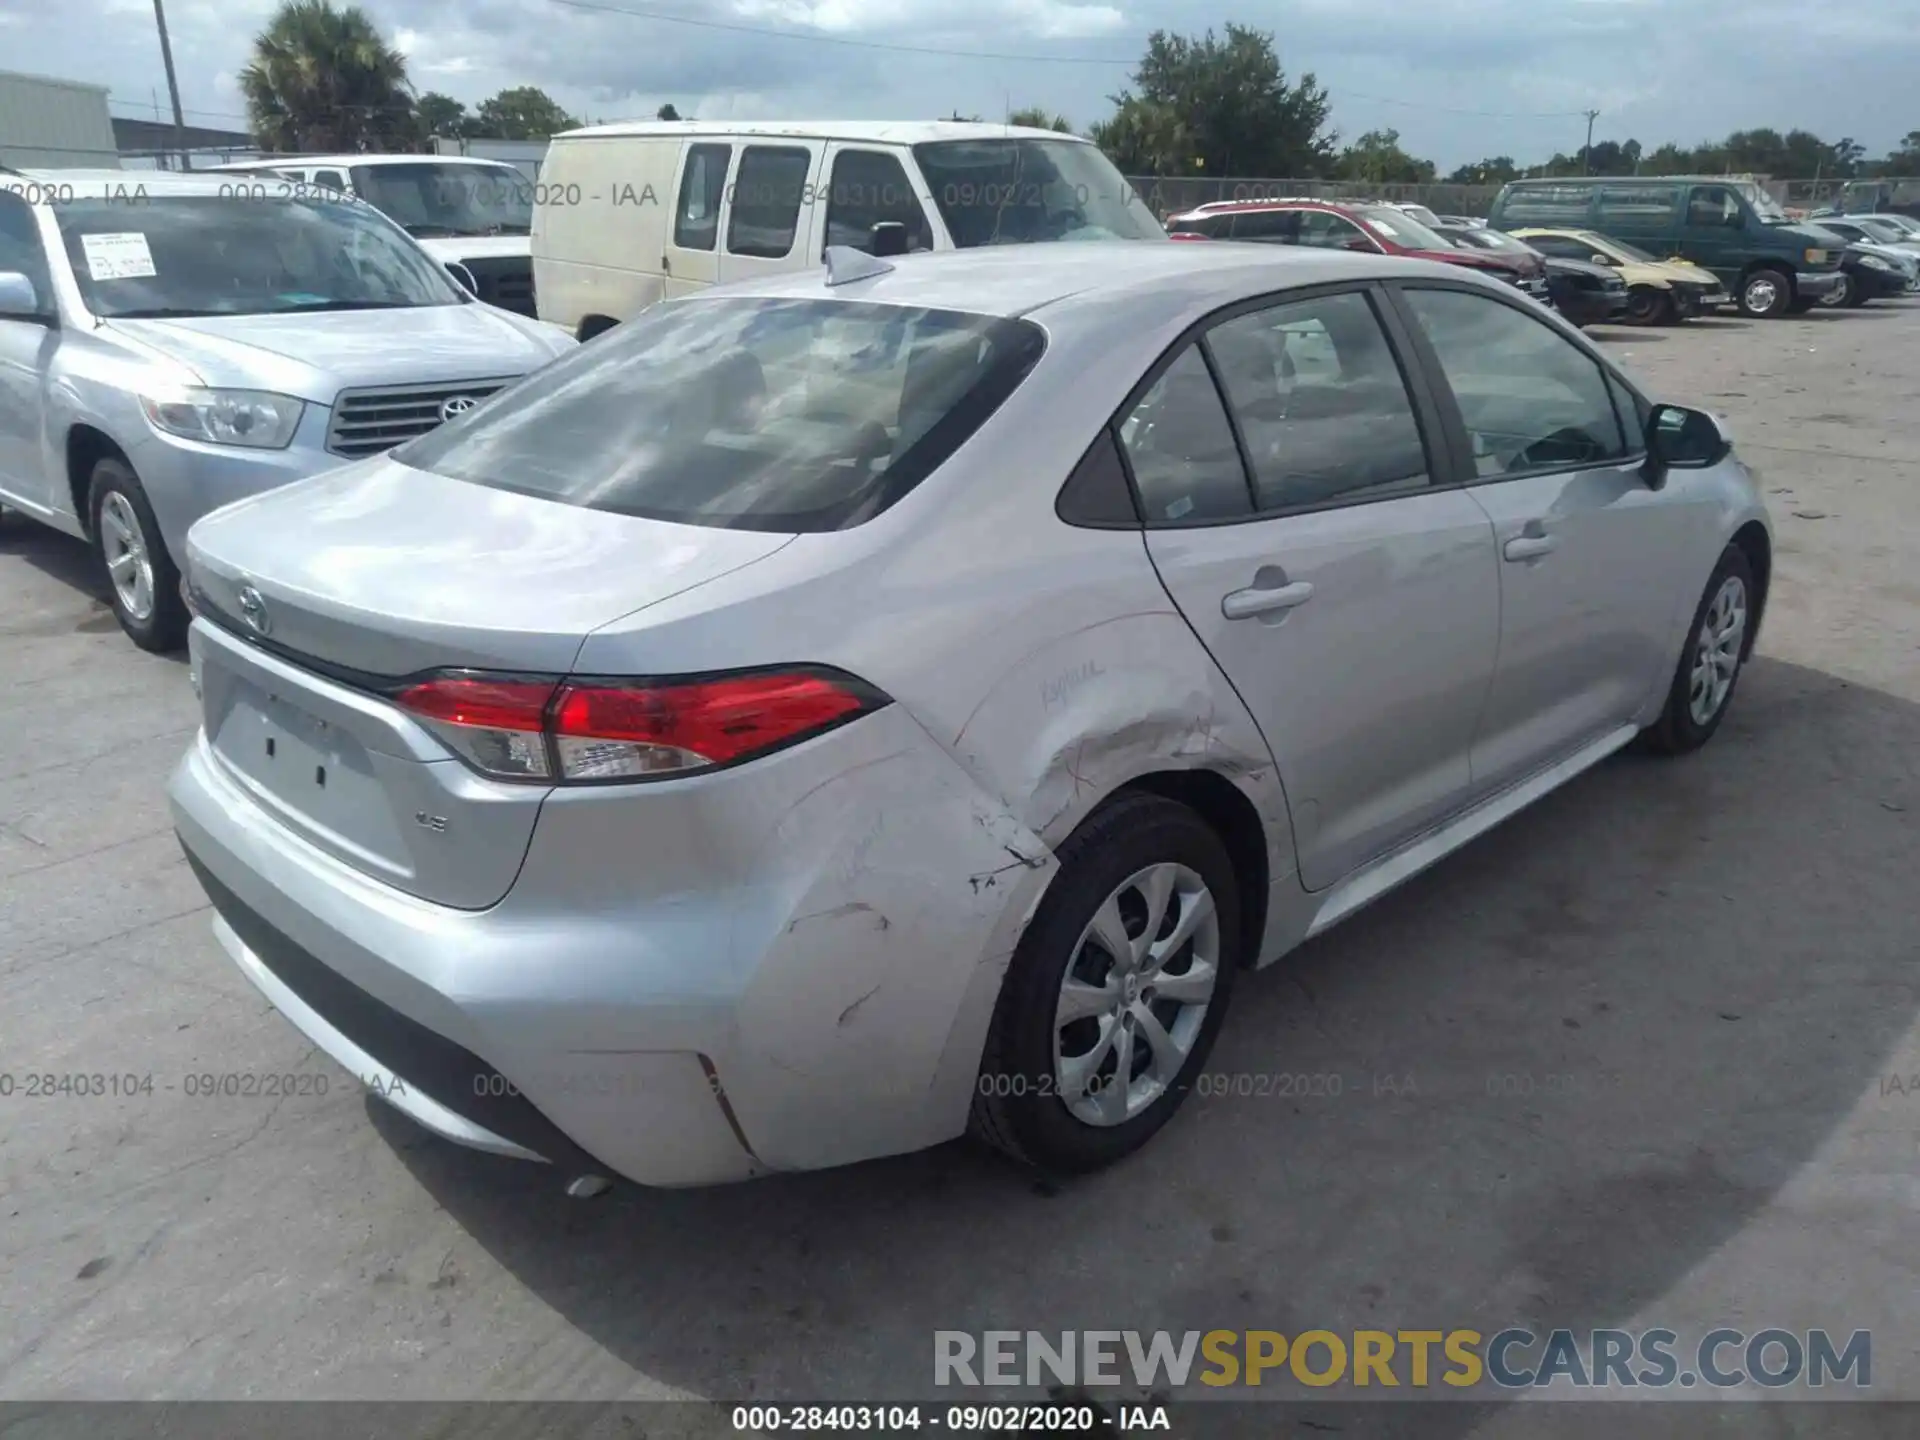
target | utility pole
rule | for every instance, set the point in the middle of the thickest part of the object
(1586, 155)
(173, 85)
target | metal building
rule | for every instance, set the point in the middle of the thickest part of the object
(54, 124)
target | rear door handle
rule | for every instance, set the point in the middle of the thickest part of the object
(1245, 604)
(1529, 547)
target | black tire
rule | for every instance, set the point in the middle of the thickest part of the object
(1017, 1107)
(1856, 297)
(164, 627)
(1765, 294)
(1679, 308)
(1847, 295)
(1677, 731)
(1645, 305)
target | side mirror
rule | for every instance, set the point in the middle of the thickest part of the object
(1602, 260)
(1683, 439)
(889, 237)
(1360, 243)
(463, 277)
(18, 299)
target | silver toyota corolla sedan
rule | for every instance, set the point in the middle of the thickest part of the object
(830, 714)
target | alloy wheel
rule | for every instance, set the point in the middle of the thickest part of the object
(1135, 994)
(124, 546)
(1717, 648)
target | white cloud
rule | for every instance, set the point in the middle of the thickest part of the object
(1659, 70)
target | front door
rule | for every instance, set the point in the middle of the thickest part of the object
(1713, 232)
(1587, 600)
(864, 187)
(689, 258)
(1289, 492)
(769, 220)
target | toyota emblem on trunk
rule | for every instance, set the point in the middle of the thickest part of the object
(457, 405)
(253, 610)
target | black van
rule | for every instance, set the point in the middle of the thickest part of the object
(1731, 227)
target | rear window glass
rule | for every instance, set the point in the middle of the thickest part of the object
(748, 414)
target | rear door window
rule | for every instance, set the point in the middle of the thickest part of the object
(1322, 408)
(696, 213)
(1272, 227)
(766, 201)
(747, 414)
(1180, 446)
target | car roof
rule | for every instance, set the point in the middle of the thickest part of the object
(1017, 280)
(1225, 207)
(893, 132)
(347, 161)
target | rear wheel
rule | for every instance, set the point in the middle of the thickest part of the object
(143, 583)
(1116, 991)
(1766, 294)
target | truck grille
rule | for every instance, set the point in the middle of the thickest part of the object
(366, 422)
(506, 281)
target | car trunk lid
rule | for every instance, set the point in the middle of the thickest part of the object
(318, 599)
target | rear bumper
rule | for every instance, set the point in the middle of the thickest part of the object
(823, 1002)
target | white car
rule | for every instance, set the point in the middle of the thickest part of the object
(463, 211)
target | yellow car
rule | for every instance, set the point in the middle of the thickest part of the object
(1659, 292)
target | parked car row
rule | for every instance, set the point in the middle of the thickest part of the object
(890, 696)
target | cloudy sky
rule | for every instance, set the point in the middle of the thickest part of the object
(1460, 79)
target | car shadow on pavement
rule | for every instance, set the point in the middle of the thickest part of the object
(72, 563)
(1537, 1086)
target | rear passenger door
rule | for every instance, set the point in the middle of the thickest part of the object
(769, 219)
(690, 257)
(1589, 554)
(1295, 502)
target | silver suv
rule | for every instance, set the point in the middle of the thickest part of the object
(169, 344)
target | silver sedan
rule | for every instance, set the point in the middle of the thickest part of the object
(829, 715)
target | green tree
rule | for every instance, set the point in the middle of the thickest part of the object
(1228, 102)
(443, 115)
(1147, 139)
(1377, 156)
(666, 112)
(1038, 117)
(524, 113)
(1494, 170)
(323, 79)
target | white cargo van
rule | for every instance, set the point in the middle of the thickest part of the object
(470, 212)
(630, 214)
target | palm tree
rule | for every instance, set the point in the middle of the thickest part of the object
(324, 79)
(1037, 117)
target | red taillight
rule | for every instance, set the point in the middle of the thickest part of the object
(588, 730)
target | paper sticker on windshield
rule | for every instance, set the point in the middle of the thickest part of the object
(120, 256)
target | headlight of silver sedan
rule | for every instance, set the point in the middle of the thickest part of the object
(255, 419)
